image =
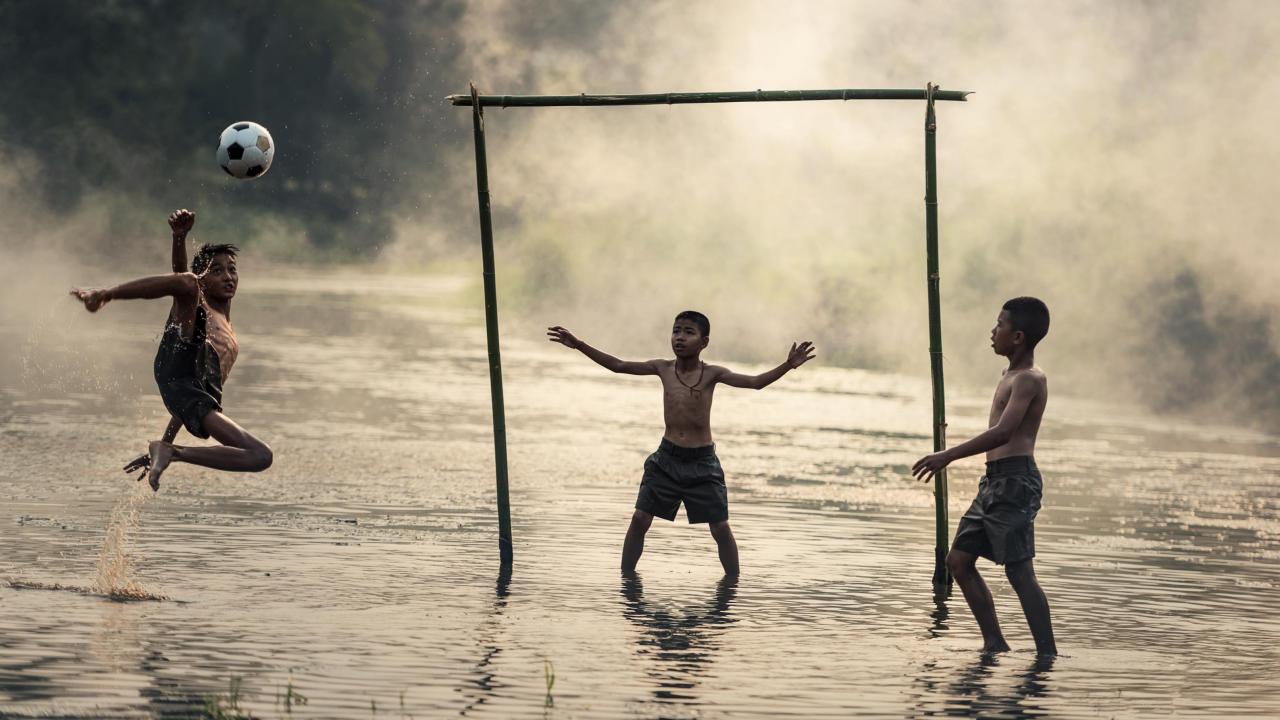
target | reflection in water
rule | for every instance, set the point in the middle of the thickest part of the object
(388, 421)
(484, 683)
(976, 690)
(939, 627)
(679, 643)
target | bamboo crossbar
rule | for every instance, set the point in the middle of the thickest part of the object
(688, 98)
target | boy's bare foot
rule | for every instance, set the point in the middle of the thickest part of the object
(161, 456)
(995, 647)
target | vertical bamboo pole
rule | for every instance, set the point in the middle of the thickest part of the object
(940, 574)
(491, 325)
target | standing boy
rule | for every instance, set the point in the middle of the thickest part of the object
(196, 354)
(1000, 524)
(685, 468)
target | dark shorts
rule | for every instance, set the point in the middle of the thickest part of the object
(1000, 524)
(190, 400)
(676, 474)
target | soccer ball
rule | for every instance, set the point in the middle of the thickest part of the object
(245, 150)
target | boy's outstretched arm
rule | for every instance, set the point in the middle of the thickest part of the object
(799, 355)
(181, 286)
(181, 222)
(1025, 388)
(604, 359)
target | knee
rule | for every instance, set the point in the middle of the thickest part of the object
(641, 520)
(959, 564)
(1019, 573)
(262, 458)
(720, 530)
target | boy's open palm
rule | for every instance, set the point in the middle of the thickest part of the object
(562, 336)
(800, 354)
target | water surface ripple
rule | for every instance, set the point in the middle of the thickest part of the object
(360, 572)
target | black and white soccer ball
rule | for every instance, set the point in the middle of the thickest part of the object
(245, 150)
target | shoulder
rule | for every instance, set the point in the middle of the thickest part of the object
(716, 371)
(1032, 378)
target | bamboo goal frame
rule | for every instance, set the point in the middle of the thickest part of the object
(929, 95)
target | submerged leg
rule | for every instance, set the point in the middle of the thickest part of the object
(962, 567)
(239, 451)
(727, 546)
(633, 546)
(1022, 576)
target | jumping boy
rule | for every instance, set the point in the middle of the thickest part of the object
(685, 468)
(196, 354)
(1000, 524)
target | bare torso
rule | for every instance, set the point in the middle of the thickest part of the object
(1023, 440)
(222, 336)
(219, 333)
(686, 403)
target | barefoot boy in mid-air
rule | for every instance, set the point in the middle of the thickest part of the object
(197, 350)
(685, 468)
(999, 525)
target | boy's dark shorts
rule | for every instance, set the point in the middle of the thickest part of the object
(1000, 524)
(190, 400)
(676, 474)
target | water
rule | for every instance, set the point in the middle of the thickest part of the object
(360, 572)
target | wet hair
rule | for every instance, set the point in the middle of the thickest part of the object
(205, 254)
(704, 325)
(1031, 316)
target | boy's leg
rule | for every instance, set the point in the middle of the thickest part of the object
(962, 567)
(633, 546)
(240, 451)
(727, 546)
(1022, 576)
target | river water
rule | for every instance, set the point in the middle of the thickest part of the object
(358, 577)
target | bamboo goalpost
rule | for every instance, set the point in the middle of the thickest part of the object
(929, 95)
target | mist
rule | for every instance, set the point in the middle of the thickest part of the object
(1114, 161)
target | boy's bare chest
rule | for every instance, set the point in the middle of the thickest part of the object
(222, 336)
(684, 400)
(1003, 391)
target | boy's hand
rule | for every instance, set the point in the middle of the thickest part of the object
(800, 354)
(562, 336)
(929, 465)
(93, 299)
(181, 221)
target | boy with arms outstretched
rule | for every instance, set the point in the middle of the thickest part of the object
(685, 468)
(196, 354)
(999, 525)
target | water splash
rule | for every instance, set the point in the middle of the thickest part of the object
(114, 578)
(115, 563)
(130, 594)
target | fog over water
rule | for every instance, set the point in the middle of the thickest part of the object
(1113, 161)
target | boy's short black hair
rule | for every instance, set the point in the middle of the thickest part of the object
(1031, 316)
(704, 325)
(205, 254)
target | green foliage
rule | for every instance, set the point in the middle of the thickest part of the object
(130, 96)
